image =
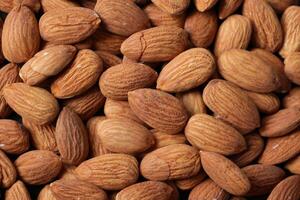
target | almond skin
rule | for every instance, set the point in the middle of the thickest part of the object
(209, 134)
(225, 173)
(192, 101)
(38, 167)
(186, 71)
(71, 137)
(79, 77)
(126, 19)
(281, 149)
(204, 5)
(227, 7)
(17, 191)
(234, 33)
(46, 63)
(172, 7)
(208, 189)
(118, 80)
(20, 35)
(293, 165)
(287, 189)
(172, 162)
(8, 171)
(158, 109)
(256, 75)
(148, 190)
(110, 171)
(48, 5)
(69, 25)
(292, 63)
(291, 28)
(124, 136)
(156, 44)
(267, 103)
(232, 105)
(32, 103)
(263, 178)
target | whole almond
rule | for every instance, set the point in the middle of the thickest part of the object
(68, 25)
(172, 162)
(208, 189)
(291, 28)
(255, 75)
(267, 103)
(71, 137)
(156, 44)
(32, 103)
(280, 6)
(292, 98)
(291, 69)
(79, 77)
(293, 165)
(263, 178)
(225, 173)
(202, 27)
(48, 5)
(46, 63)
(20, 36)
(209, 134)
(105, 41)
(227, 7)
(148, 190)
(126, 19)
(108, 58)
(186, 71)
(192, 101)
(163, 139)
(118, 80)
(110, 171)
(158, 109)
(289, 188)
(8, 171)
(202, 5)
(38, 166)
(17, 191)
(281, 149)
(234, 33)
(232, 105)
(172, 7)
(190, 183)
(267, 32)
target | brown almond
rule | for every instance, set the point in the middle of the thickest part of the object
(225, 173)
(108, 58)
(34, 5)
(172, 7)
(227, 7)
(186, 71)
(46, 194)
(292, 63)
(192, 101)
(204, 5)
(287, 189)
(105, 41)
(110, 171)
(38, 167)
(190, 183)
(267, 103)
(158, 109)
(6, 6)
(292, 98)
(48, 5)
(280, 6)
(293, 165)
(8, 171)
(17, 191)
(163, 139)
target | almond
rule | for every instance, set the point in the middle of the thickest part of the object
(256, 75)
(20, 36)
(234, 33)
(267, 103)
(34, 5)
(46, 194)
(46, 63)
(38, 166)
(158, 109)
(105, 41)
(8, 171)
(190, 183)
(48, 5)
(292, 98)
(227, 7)
(69, 25)
(281, 6)
(232, 105)
(118, 80)
(292, 63)
(281, 149)
(192, 101)
(156, 44)
(263, 178)
(32, 103)
(163, 139)
(6, 5)
(17, 191)
(204, 5)
(208, 189)
(225, 173)
(71, 137)
(186, 71)
(172, 7)
(108, 58)
(293, 165)
(209, 134)
(172, 162)
(110, 171)
(79, 77)
(148, 190)
(267, 32)
(202, 27)
(126, 19)
(289, 188)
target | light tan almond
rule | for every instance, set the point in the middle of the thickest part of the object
(227, 7)
(203, 5)
(292, 98)
(172, 7)
(291, 68)
(17, 191)
(105, 41)
(190, 183)
(289, 188)
(163, 139)
(192, 101)
(293, 165)
(8, 171)
(267, 103)
(48, 5)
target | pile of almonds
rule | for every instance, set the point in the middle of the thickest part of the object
(150, 100)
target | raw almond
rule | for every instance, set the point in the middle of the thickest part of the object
(267, 103)
(46, 194)
(32, 103)
(190, 183)
(34, 5)
(20, 35)
(225, 173)
(105, 41)
(108, 58)
(172, 7)
(172, 162)
(192, 101)
(232, 105)
(255, 75)
(163, 139)
(202, 5)
(280, 6)
(110, 171)
(126, 19)
(289, 188)
(292, 63)
(292, 98)
(293, 165)
(6, 5)
(227, 7)
(17, 191)
(69, 25)
(79, 77)
(186, 71)
(48, 5)
(8, 171)
(157, 44)
(38, 167)
(118, 80)
(158, 109)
